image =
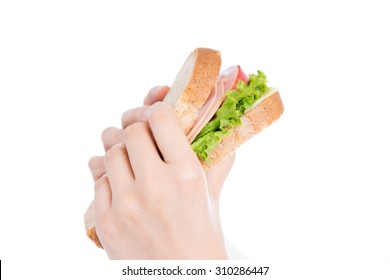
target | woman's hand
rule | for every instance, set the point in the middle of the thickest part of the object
(152, 197)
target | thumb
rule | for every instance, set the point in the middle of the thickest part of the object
(216, 176)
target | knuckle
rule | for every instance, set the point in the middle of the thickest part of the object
(160, 112)
(101, 182)
(115, 151)
(191, 176)
(135, 129)
(125, 119)
(133, 115)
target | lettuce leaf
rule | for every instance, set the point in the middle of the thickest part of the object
(228, 115)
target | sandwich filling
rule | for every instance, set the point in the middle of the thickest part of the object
(238, 101)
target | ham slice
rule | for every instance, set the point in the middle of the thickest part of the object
(226, 80)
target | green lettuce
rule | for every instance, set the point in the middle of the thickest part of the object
(228, 115)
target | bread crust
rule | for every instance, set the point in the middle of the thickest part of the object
(253, 122)
(89, 222)
(91, 233)
(193, 85)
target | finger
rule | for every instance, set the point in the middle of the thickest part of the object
(96, 165)
(141, 148)
(118, 170)
(134, 115)
(216, 176)
(156, 94)
(138, 114)
(102, 200)
(168, 134)
(111, 136)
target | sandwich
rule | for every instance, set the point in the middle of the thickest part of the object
(218, 111)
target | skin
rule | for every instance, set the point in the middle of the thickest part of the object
(153, 199)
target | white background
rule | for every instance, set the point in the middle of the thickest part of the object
(309, 195)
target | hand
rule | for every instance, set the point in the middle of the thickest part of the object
(112, 136)
(146, 207)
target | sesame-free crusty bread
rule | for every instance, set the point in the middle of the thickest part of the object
(193, 85)
(253, 122)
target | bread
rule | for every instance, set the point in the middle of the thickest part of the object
(193, 84)
(89, 222)
(254, 121)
